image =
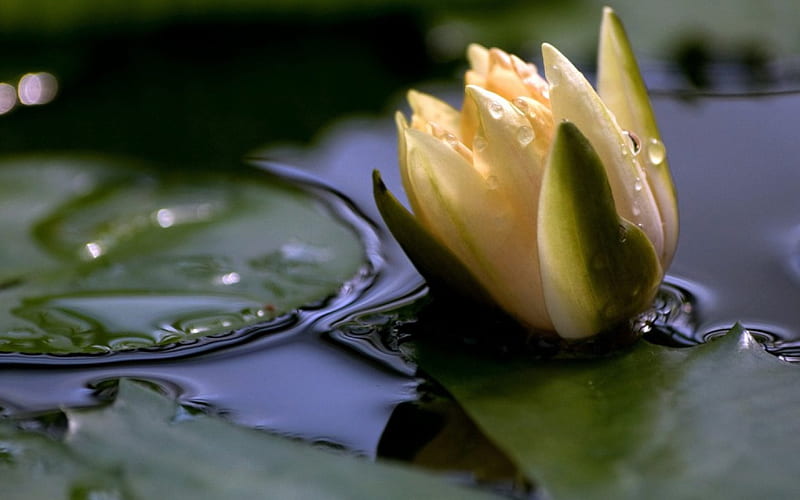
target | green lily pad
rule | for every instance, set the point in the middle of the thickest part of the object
(714, 421)
(144, 446)
(99, 256)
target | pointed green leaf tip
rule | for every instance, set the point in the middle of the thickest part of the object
(620, 85)
(598, 269)
(440, 267)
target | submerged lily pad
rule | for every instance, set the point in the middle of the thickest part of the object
(98, 256)
(144, 446)
(714, 421)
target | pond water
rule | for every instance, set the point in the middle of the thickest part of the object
(335, 375)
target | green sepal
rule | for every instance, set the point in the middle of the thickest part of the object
(443, 271)
(622, 88)
(598, 269)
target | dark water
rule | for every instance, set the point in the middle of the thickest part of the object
(335, 374)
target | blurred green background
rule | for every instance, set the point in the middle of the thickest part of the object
(199, 83)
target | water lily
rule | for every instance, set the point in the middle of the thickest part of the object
(541, 196)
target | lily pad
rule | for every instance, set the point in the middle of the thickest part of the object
(713, 421)
(100, 256)
(145, 446)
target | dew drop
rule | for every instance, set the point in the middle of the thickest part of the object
(496, 110)
(450, 139)
(165, 217)
(525, 135)
(228, 279)
(637, 185)
(94, 249)
(520, 104)
(656, 152)
(636, 210)
(479, 143)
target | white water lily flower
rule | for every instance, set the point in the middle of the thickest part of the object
(540, 196)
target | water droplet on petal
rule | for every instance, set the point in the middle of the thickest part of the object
(450, 139)
(637, 185)
(656, 152)
(636, 210)
(520, 104)
(525, 135)
(496, 110)
(479, 143)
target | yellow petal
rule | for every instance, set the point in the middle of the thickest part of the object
(478, 57)
(402, 154)
(502, 77)
(541, 120)
(434, 110)
(476, 221)
(573, 99)
(620, 85)
(505, 152)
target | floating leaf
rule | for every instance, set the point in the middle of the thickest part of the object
(98, 256)
(714, 421)
(144, 446)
